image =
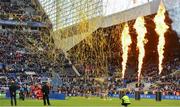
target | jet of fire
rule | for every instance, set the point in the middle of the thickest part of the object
(126, 42)
(141, 31)
(161, 28)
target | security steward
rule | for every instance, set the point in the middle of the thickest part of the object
(125, 101)
(12, 90)
(45, 91)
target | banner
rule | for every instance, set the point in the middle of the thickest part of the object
(12, 22)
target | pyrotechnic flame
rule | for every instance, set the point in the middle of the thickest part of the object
(126, 42)
(161, 28)
(141, 31)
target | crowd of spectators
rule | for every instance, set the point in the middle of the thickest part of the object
(22, 51)
(26, 48)
(22, 10)
(90, 86)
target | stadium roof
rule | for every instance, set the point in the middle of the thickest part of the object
(111, 12)
(67, 10)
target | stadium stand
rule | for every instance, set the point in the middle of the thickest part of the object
(27, 54)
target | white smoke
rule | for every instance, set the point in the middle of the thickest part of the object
(173, 7)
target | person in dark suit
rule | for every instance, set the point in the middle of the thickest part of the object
(45, 91)
(12, 90)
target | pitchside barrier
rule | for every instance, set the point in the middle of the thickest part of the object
(60, 96)
(148, 96)
(57, 96)
(52, 95)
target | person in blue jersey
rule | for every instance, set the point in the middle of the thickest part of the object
(21, 93)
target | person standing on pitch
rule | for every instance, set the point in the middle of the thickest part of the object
(125, 101)
(12, 90)
(45, 91)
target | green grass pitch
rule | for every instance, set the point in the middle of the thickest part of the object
(94, 102)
